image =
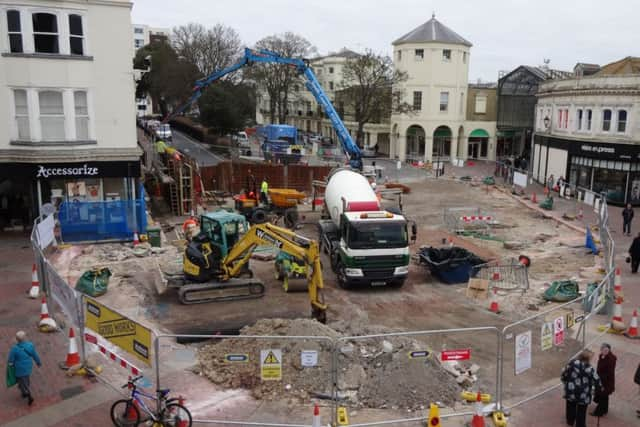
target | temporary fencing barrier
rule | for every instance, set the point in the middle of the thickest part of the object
(463, 219)
(503, 275)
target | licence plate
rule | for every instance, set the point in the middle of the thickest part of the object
(378, 283)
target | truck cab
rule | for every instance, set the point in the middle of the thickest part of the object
(368, 248)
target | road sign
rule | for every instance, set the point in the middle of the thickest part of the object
(419, 354)
(569, 320)
(308, 358)
(546, 336)
(271, 365)
(558, 331)
(119, 330)
(236, 358)
(523, 352)
(447, 355)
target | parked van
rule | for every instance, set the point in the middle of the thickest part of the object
(243, 139)
(163, 131)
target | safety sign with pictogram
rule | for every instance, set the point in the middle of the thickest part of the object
(558, 331)
(546, 336)
(271, 365)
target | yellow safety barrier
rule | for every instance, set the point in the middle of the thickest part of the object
(470, 396)
(343, 418)
(498, 419)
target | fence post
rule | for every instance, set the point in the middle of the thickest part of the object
(156, 350)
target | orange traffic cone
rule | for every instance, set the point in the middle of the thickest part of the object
(534, 199)
(617, 285)
(136, 239)
(617, 323)
(316, 416)
(478, 417)
(44, 311)
(434, 416)
(183, 419)
(34, 292)
(133, 413)
(494, 308)
(73, 357)
(632, 332)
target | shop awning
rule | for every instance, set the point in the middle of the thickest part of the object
(479, 133)
(442, 131)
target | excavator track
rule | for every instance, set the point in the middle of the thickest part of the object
(231, 290)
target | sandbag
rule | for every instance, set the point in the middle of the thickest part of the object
(562, 291)
(94, 282)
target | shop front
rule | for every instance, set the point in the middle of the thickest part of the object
(612, 169)
(96, 199)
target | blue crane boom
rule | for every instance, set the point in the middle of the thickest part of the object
(302, 66)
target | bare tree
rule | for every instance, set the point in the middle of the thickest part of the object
(209, 49)
(369, 89)
(279, 80)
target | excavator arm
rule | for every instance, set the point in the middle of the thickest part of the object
(289, 242)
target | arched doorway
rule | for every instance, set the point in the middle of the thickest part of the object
(441, 142)
(478, 145)
(415, 143)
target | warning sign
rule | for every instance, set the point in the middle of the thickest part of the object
(569, 320)
(546, 336)
(558, 331)
(119, 330)
(271, 365)
(523, 352)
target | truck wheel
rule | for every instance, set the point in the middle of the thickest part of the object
(343, 282)
(290, 218)
(259, 216)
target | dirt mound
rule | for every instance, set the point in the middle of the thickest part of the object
(374, 373)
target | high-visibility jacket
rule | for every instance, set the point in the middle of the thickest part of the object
(161, 147)
(264, 187)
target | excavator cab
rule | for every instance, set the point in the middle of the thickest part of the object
(219, 232)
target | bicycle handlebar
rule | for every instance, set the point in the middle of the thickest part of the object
(132, 381)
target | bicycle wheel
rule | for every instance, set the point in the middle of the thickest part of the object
(125, 414)
(175, 415)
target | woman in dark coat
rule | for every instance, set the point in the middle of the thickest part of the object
(579, 379)
(607, 373)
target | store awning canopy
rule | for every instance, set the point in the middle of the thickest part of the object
(479, 133)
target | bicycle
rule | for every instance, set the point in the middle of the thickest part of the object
(170, 413)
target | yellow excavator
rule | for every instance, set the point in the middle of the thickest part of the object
(216, 261)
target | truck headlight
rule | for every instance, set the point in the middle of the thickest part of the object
(354, 272)
(401, 271)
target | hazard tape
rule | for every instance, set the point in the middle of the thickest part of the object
(476, 218)
(111, 355)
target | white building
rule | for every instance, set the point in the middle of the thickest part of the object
(436, 60)
(587, 130)
(67, 120)
(144, 34)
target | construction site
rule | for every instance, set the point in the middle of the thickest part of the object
(479, 258)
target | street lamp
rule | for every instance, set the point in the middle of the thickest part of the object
(547, 122)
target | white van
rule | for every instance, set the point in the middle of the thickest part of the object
(243, 140)
(163, 131)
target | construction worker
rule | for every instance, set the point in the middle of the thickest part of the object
(264, 191)
(161, 149)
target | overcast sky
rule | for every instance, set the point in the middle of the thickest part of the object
(504, 33)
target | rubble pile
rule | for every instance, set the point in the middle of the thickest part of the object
(372, 373)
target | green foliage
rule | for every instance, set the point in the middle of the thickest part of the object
(226, 107)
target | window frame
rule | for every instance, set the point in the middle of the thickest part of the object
(10, 33)
(464, 57)
(418, 54)
(330, 70)
(65, 137)
(588, 119)
(399, 55)
(624, 122)
(76, 36)
(579, 118)
(86, 116)
(446, 104)
(607, 123)
(478, 97)
(57, 34)
(417, 96)
(446, 55)
(17, 115)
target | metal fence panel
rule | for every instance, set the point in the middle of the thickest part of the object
(503, 275)
(402, 373)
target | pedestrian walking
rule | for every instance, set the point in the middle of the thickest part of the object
(627, 216)
(607, 372)
(20, 358)
(634, 253)
(579, 379)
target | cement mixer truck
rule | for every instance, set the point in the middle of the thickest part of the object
(367, 245)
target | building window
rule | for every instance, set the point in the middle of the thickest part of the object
(622, 121)
(446, 55)
(51, 115)
(82, 115)
(464, 57)
(481, 104)
(606, 120)
(565, 121)
(579, 115)
(417, 101)
(444, 101)
(330, 70)
(330, 85)
(15, 31)
(399, 55)
(45, 33)
(419, 54)
(589, 116)
(138, 30)
(139, 43)
(319, 71)
(76, 35)
(22, 114)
